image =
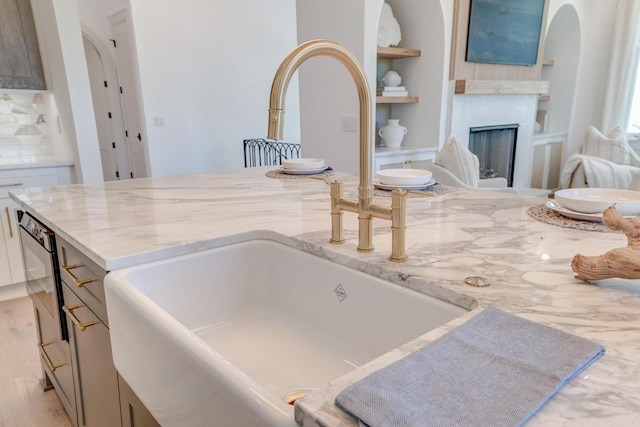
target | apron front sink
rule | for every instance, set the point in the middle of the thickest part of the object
(233, 335)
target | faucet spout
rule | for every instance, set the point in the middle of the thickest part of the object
(365, 209)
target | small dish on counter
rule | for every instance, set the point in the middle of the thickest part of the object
(593, 217)
(404, 177)
(388, 187)
(307, 163)
(304, 171)
(596, 200)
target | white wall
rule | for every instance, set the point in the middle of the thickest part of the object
(73, 130)
(563, 46)
(207, 72)
(596, 27)
(428, 26)
(93, 15)
(327, 91)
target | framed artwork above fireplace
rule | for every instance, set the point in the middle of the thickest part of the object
(504, 31)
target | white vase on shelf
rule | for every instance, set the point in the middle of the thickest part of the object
(393, 133)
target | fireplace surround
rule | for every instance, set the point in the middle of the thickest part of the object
(476, 111)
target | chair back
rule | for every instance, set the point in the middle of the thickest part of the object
(261, 152)
(445, 176)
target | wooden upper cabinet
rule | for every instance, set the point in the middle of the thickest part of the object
(20, 61)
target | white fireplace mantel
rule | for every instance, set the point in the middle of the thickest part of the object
(501, 87)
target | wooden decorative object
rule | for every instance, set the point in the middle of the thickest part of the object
(620, 262)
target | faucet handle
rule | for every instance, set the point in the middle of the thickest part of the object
(398, 225)
(336, 212)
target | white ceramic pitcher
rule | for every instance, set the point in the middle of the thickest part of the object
(392, 133)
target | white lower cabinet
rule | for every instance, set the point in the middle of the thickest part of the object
(546, 160)
(402, 157)
(11, 266)
(14, 271)
(5, 269)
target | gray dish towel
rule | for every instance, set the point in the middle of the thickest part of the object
(496, 369)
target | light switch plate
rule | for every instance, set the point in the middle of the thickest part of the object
(349, 124)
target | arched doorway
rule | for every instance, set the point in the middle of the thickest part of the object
(562, 45)
(108, 111)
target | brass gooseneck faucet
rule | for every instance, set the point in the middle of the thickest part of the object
(364, 207)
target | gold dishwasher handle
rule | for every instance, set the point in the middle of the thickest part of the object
(74, 319)
(78, 282)
(47, 358)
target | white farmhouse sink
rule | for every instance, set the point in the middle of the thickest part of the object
(224, 336)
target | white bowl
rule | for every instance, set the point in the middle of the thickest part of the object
(303, 164)
(404, 176)
(596, 200)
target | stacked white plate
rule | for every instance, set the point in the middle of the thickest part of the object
(406, 179)
(589, 203)
(303, 166)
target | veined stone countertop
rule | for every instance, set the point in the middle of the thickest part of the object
(449, 237)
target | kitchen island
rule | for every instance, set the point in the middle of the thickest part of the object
(449, 237)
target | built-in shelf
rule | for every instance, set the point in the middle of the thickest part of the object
(501, 87)
(544, 97)
(403, 155)
(397, 53)
(547, 62)
(387, 58)
(396, 99)
(392, 53)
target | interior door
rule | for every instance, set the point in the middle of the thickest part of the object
(100, 107)
(124, 54)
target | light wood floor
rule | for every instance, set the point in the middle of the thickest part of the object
(23, 403)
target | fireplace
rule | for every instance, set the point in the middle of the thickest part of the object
(495, 147)
(477, 111)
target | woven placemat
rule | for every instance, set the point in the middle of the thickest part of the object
(279, 174)
(436, 189)
(544, 214)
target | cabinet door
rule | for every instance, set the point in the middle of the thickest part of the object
(538, 162)
(555, 164)
(96, 378)
(12, 239)
(546, 164)
(20, 62)
(134, 413)
(5, 271)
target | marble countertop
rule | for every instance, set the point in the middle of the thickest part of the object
(449, 237)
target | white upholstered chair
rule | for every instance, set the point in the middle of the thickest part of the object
(604, 161)
(456, 166)
(446, 177)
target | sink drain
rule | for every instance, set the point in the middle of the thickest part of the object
(293, 395)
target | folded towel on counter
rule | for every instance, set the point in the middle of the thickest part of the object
(496, 369)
